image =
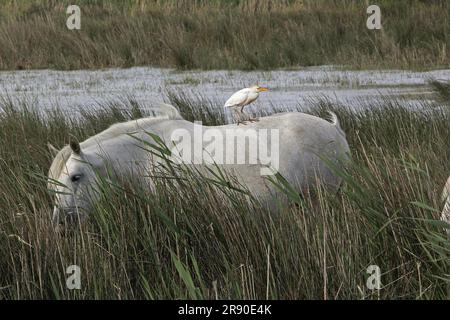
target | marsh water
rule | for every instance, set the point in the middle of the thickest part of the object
(71, 90)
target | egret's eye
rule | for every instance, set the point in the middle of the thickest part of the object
(75, 177)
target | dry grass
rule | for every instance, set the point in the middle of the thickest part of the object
(245, 34)
(441, 89)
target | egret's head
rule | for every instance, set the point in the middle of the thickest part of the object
(259, 88)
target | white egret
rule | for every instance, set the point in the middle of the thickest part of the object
(242, 98)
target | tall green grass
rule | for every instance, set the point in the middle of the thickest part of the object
(201, 239)
(241, 34)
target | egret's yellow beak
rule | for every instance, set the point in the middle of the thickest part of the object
(262, 89)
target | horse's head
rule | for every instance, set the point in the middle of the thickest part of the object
(72, 177)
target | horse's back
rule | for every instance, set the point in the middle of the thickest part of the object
(306, 147)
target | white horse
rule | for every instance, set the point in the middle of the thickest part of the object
(303, 147)
(445, 216)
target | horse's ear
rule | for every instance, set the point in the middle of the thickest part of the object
(75, 146)
(52, 149)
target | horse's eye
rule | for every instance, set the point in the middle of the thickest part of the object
(75, 177)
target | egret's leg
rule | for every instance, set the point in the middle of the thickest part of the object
(241, 112)
(237, 116)
(247, 117)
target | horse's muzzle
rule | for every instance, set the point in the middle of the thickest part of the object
(64, 216)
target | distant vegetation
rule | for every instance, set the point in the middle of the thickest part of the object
(239, 34)
(182, 241)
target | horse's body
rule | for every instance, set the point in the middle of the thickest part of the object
(304, 142)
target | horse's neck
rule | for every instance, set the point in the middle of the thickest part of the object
(121, 150)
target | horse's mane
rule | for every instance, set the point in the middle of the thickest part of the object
(58, 164)
(165, 112)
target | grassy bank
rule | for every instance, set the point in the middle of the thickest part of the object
(162, 245)
(245, 34)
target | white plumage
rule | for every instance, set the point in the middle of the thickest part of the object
(242, 98)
